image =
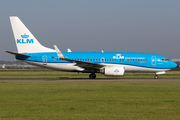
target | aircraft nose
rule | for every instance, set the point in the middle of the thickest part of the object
(173, 64)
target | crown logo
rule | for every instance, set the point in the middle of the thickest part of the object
(118, 54)
(116, 70)
(24, 36)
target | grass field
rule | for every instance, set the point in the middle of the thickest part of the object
(50, 74)
(87, 100)
(91, 100)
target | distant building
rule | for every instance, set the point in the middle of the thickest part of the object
(2, 66)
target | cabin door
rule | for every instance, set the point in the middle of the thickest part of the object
(44, 59)
(153, 62)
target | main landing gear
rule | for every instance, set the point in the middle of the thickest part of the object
(155, 77)
(92, 76)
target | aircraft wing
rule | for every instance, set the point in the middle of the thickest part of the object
(86, 65)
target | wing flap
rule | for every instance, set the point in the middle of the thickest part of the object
(86, 65)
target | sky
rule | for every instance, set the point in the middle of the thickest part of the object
(93, 25)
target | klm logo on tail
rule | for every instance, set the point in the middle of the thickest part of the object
(25, 40)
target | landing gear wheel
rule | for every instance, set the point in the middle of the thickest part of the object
(92, 76)
(155, 77)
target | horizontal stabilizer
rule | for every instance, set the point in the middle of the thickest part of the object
(18, 54)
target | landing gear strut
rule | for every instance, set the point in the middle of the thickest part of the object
(155, 77)
(92, 76)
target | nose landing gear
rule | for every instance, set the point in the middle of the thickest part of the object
(92, 76)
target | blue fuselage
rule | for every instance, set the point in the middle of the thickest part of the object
(136, 60)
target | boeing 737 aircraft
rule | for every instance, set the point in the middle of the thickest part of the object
(107, 63)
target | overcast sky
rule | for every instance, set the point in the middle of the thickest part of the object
(92, 25)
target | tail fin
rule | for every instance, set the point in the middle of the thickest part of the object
(25, 41)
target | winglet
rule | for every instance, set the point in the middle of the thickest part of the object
(59, 53)
(69, 50)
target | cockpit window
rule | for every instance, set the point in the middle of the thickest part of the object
(165, 59)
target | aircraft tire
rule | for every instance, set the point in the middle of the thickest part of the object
(155, 77)
(92, 76)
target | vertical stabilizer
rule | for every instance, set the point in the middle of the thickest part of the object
(25, 41)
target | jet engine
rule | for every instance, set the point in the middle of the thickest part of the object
(113, 71)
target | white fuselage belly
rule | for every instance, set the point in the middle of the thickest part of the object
(73, 67)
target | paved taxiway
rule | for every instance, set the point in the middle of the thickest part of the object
(67, 79)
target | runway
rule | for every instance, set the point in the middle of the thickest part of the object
(102, 79)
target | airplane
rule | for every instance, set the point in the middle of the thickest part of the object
(108, 63)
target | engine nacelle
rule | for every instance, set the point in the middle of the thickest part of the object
(113, 71)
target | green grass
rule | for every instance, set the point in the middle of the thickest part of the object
(19, 70)
(91, 100)
(41, 74)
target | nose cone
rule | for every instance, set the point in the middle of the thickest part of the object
(173, 65)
